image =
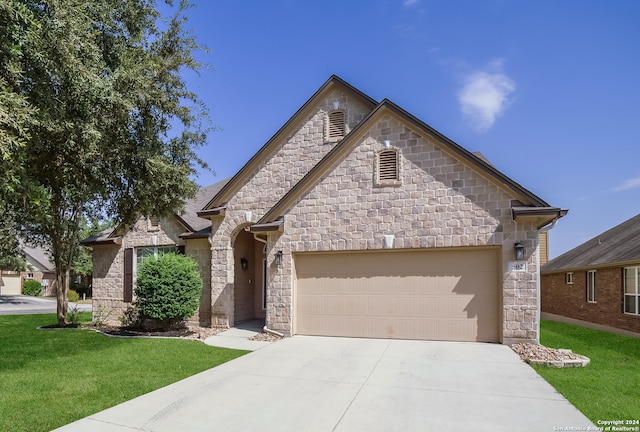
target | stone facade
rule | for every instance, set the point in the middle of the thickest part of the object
(570, 299)
(443, 198)
(439, 203)
(292, 158)
(108, 264)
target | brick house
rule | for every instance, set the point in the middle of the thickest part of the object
(597, 284)
(357, 219)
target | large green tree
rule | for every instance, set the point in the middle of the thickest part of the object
(114, 127)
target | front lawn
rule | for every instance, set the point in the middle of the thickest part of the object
(53, 377)
(607, 389)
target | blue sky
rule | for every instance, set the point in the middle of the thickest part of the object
(548, 90)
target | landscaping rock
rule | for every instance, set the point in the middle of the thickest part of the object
(541, 355)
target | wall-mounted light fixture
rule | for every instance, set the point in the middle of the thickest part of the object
(388, 241)
(278, 259)
(244, 263)
(247, 216)
(387, 144)
(336, 105)
(519, 251)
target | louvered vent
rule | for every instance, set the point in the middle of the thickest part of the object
(335, 127)
(388, 165)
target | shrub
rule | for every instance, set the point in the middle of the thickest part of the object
(130, 317)
(32, 287)
(81, 289)
(168, 288)
(73, 296)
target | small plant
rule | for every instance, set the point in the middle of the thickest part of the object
(168, 289)
(32, 287)
(100, 315)
(73, 315)
(131, 317)
(73, 296)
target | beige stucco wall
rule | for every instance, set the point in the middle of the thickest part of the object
(108, 264)
(440, 203)
(291, 159)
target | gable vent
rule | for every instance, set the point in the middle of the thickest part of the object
(388, 165)
(336, 125)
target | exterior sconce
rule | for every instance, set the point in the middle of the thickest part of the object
(519, 251)
(336, 105)
(244, 263)
(278, 259)
(247, 216)
(387, 144)
(388, 240)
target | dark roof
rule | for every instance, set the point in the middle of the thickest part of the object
(196, 226)
(192, 207)
(619, 245)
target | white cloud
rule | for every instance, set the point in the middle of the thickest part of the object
(629, 184)
(408, 3)
(485, 95)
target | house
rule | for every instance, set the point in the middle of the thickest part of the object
(597, 284)
(355, 219)
(38, 267)
(117, 252)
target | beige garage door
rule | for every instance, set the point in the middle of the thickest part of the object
(430, 295)
(11, 285)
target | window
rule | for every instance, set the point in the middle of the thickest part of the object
(632, 290)
(568, 278)
(591, 286)
(143, 253)
(336, 125)
(139, 256)
(388, 168)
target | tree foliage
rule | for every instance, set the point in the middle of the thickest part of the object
(101, 124)
(168, 288)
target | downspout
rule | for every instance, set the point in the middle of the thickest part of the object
(265, 328)
(543, 229)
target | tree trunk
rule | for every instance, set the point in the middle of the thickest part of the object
(62, 282)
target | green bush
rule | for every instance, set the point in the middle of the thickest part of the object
(32, 287)
(81, 289)
(168, 289)
(73, 296)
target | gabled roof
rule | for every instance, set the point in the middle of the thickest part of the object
(527, 200)
(619, 245)
(196, 227)
(221, 198)
(38, 258)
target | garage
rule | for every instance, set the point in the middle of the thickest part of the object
(11, 284)
(441, 294)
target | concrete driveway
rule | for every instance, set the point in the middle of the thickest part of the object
(340, 384)
(22, 305)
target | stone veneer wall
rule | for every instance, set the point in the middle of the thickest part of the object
(291, 160)
(108, 262)
(440, 203)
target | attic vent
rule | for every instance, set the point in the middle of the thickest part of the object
(336, 125)
(388, 166)
(154, 223)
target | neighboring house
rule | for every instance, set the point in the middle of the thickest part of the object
(597, 282)
(356, 219)
(38, 267)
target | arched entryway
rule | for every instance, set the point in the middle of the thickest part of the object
(249, 292)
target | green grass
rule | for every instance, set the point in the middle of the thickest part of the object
(53, 377)
(609, 387)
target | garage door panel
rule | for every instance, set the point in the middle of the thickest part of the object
(439, 295)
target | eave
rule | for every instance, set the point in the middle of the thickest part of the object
(267, 228)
